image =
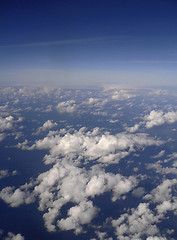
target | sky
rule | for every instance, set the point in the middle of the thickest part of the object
(88, 43)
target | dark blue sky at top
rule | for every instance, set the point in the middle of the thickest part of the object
(86, 35)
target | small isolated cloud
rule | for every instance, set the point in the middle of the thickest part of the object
(15, 198)
(12, 236)
(160, 154)
(47, 125)
(66, 107)
(4, 173)
(6, 123)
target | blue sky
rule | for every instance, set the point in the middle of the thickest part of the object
(74, 43)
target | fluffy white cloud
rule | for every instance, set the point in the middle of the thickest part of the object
(118, 94)
(69, 181)
(121, 95)
(47, 125)
(6, 123)
(68, 106)
(140, 222)
(78, 216)
(104, 182)
(133, 129)
(156, 118)
(65, 183)
(15, 198)
(105, 148)
(12, 236)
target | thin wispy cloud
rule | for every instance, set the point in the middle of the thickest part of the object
(53, 43)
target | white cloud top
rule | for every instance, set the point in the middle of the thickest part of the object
(66, 107)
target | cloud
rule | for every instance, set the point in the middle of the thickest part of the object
(157, 118)
(133, 129)
(4, 173)
(160, 154)
(139, 223)
(118, 94)
(2, 136)
(69, 180)
(154, 118)
(47, 125)
(12, 236)
(104, 148)
(6, 123)
(66, 107)
(15, 198)
(54, 43)
(156, 238)
(78, 216)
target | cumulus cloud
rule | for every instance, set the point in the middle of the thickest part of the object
(78, 216)
(105, 148)
(133, 129)
(68, 180)
(140, 222)
(66, 107)
(157, 118)
(118, 94)
(6, 123)
(15, 197)
(12, 236)
(121, 95)
(47, 125)
(154, 118)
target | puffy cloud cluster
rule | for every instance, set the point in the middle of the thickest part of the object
(66, 107)
(162, 195)
(65, 183)
(134, 226)
(143, 221)
(105, 148)
(121, 95)
(6, 123)
(156, 118)
(15, 197)
(12, 236)
(69, 180)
